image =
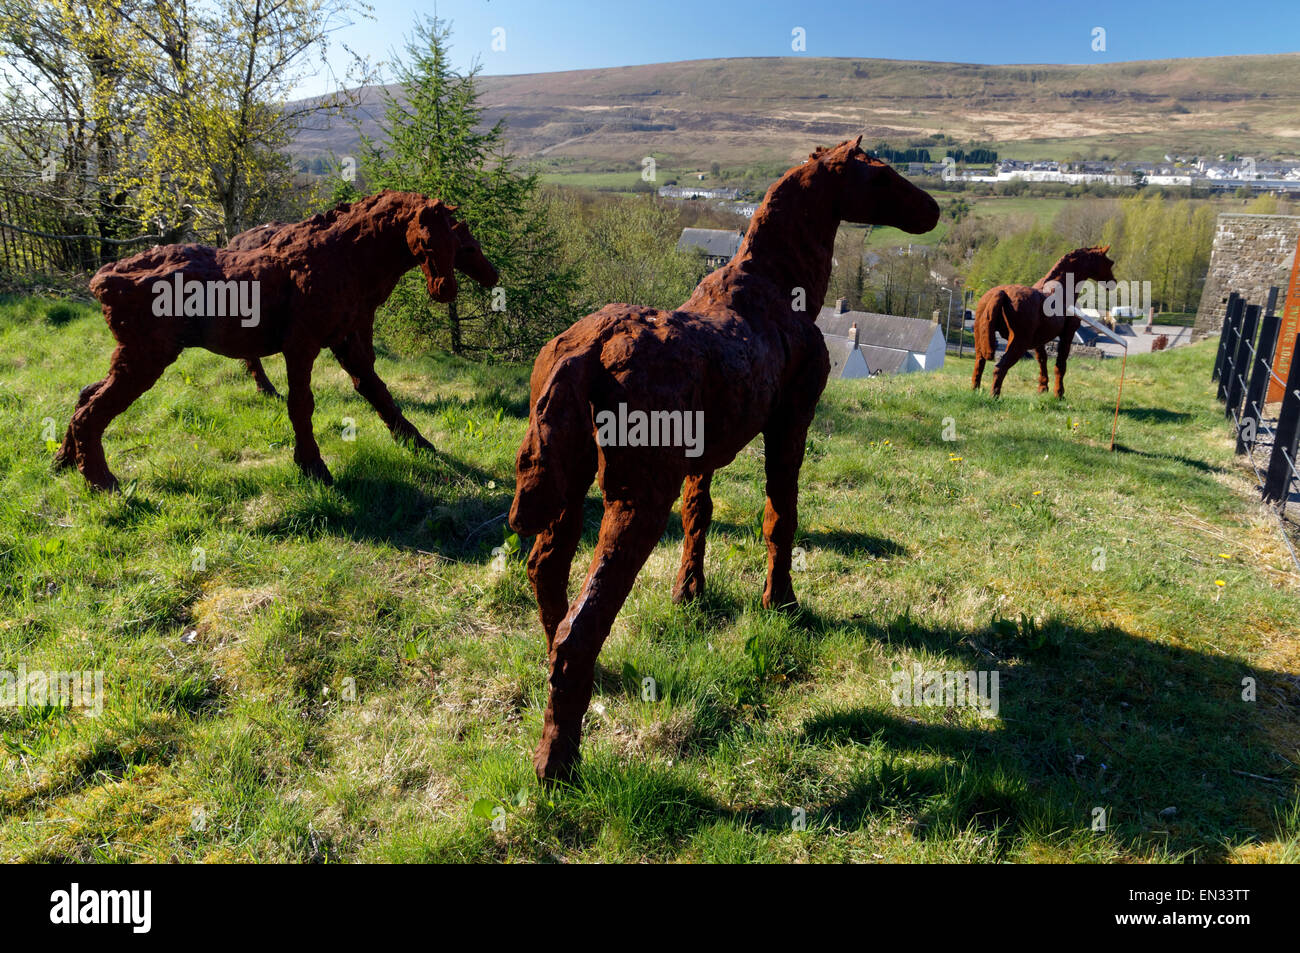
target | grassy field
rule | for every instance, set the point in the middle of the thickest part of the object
(345, 675)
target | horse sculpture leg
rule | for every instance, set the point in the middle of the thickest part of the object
(130, 374)
(67, 455)
(258, 373)
(783, 456)
(628, 533)
(306, 452)
(697, 513)
(979, 373)
(1015, 351)
(552, 553)
(357, 357)
(1041, 353)
(1062, 355)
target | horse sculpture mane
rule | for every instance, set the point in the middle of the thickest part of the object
(344, 221)
(741, 356)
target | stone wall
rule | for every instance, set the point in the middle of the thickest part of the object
(1251, 253)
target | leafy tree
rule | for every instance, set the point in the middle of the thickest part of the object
(1165, 243)
(1019, 258)
(438, 145)
(627, 252)
(159, 116)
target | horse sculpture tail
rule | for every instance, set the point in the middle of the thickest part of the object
(560, 438)
(992, 320)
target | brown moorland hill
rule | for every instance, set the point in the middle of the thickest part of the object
(771, 109)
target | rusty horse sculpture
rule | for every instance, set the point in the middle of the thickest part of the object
(1027, 318)
(741, 357)
(315, 284)
(259, 236)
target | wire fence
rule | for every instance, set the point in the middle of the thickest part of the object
(39, 238)
(1244, 370)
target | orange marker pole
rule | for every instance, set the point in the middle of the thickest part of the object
(1118, 395)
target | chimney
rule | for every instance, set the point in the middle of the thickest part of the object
(934, 317)
(841, 305)
(853, 333)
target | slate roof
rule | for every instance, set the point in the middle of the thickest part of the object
(879, 330)
(884, 360)
(880, 360)
(714, 242)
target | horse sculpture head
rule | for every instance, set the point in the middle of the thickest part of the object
(444, 246)
(1090, 264)
(870, 192)
(432, 241)
(470, 259)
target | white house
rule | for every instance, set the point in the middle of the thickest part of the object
(862, 344)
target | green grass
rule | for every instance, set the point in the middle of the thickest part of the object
(346, 674)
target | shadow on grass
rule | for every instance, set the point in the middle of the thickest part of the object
(1155, 415)
(1089, 718)
(1200, 465)
(1097, 718)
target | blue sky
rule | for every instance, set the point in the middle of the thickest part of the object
(545, 35)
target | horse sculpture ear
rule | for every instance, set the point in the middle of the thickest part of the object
(1104, 250)
(857, 143)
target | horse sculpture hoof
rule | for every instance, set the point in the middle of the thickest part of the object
(419, 444)
(316, 470)
(688, 590)
(782, 600)
(555, 761)
(103, 484)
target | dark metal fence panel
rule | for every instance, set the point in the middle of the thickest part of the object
(1261, 368)
(1232, 334)
(1282, 461)
(1241, 361)
(1224, 335)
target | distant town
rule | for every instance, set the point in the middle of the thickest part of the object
(1221, 174)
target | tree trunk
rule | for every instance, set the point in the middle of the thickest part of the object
(453, 325)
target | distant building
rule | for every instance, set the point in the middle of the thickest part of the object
(863, 344)
(719, 245)
(694, 192)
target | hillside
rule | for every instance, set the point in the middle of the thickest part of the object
(347, 674)
(741, 111)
